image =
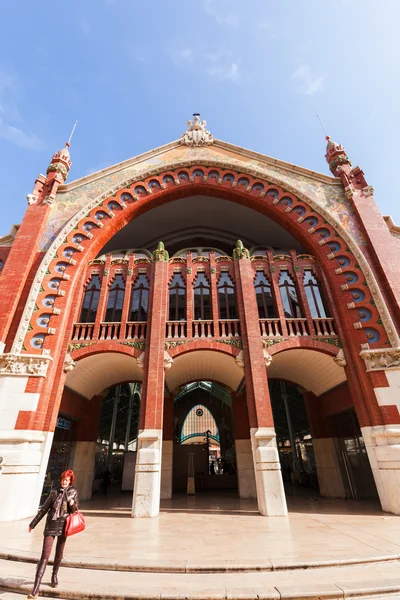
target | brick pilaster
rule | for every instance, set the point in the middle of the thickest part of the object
(257, 392)
(151, 412)
(22, 257)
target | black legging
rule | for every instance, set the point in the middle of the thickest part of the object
(48, 545)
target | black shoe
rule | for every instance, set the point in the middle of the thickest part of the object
(54, 580)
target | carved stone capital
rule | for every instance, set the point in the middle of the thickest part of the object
(49, 199)
(168, 360)
(367, 191)
(140, 361)
(32, 198)
(340, 359)
(240, 251)
(240, 359)
(69, 363)
(24, 365)
(161, 253)
(381, 358)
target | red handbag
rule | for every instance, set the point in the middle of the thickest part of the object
(74, 523)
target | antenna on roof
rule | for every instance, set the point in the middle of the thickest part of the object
(320, 122)
(72, 133)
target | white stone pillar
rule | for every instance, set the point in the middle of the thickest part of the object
(146, 491)
(83, 467)
(166, 469)
(25, 456)
(330, 478)
(245, 469)
(25, 453)
(383, 446)
(383, 441)
(267, 468)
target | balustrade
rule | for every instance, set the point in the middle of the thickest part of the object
(324, 326)
(176, 329)
(109, 331)
(229, 328)
(297, 326)
(136, 330)
(270, 327)
(83, 331)
(202, 329)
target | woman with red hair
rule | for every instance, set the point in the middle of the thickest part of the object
(61, 501)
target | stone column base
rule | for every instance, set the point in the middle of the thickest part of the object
(383, 447)
(270, 492)
(25, 456)
(245, 469)
(328, 470)
(146, 491)
(83, 467)
(166, 469)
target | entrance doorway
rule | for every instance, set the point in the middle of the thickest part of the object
(204, 446)
(294, 440)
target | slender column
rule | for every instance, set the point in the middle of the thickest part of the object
(299, 274)
(189, 295)
(167, 448)
(276, 293)
(112, 429)
(295, 460)
(270, 492)
(103, 297)
(127, 296)
(146, 495)
(129, 417)
(214, 294)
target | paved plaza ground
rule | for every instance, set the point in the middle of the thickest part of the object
(216, 546)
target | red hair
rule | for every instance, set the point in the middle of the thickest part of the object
(69, 474)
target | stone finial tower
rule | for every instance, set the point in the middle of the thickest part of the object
(336, 158)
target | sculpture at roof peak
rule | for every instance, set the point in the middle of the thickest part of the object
(196, 133)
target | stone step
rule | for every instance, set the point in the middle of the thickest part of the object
(368, 581)
(193, 566)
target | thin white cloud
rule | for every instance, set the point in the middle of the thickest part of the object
(222, 67)
(308, 83)
(223, 11)
(181, 56)
(9, 115)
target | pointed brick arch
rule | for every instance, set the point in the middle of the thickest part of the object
(87, 232)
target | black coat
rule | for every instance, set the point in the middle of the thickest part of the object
(56, 527)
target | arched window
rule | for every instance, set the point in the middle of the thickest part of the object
(314, 296)
(197, 423)
(226, 297)
(202, 298)
(90, 300)
(265, 303)
(177, 298)
(139, 299)
(1, 265)
(115, 300)
(289, 296)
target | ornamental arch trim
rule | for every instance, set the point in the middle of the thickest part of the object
(244, 185)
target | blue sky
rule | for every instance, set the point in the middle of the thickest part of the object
(132, 72)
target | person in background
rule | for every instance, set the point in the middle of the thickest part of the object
(61, 501)
(106, 481)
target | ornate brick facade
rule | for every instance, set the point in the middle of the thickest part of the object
(50, 264)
